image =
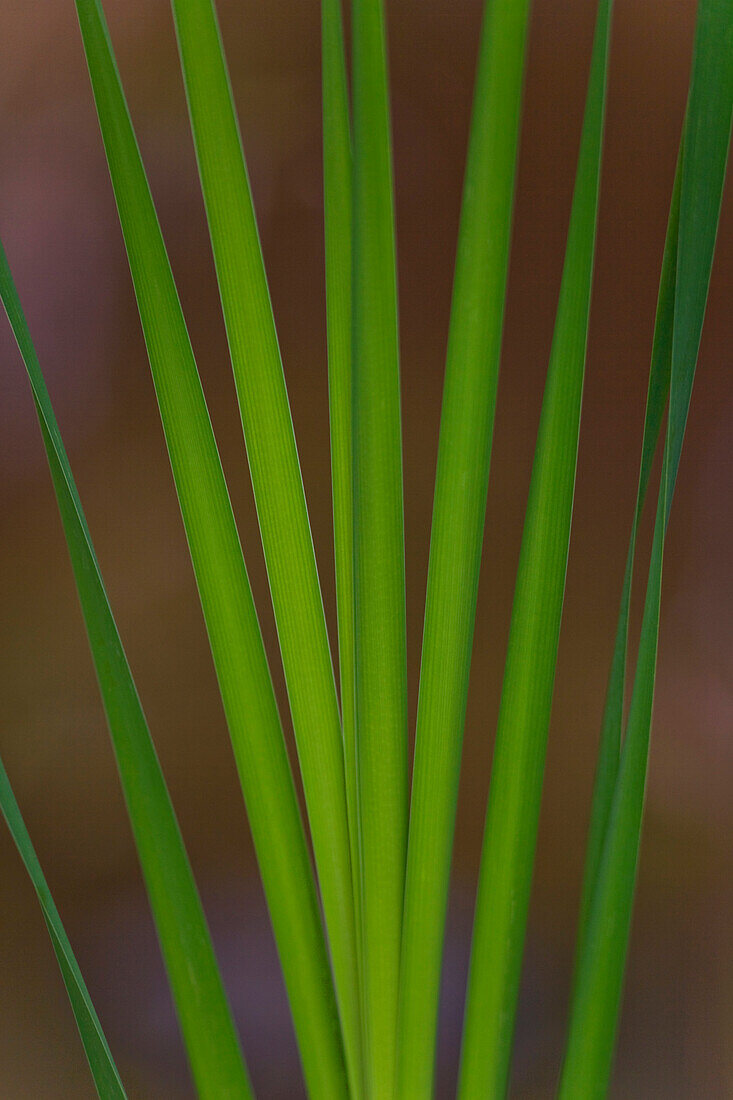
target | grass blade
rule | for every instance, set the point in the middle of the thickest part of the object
(106, 1078)
(226, 599)
(469, 402)
(611, 727)
(337, 202)
(521, 738)
(379, 556)
(277, 484)
(599, 980)
(208, 1030)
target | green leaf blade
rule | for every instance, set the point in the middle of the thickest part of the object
(104, 1071)
(226, 598)
(707, 143)
(518, 766)
(611, 726)
(337, 204)
(277, 485)
(469, 403)
(597, 992)
(379, 564)
(211, 1040)
(601, 963)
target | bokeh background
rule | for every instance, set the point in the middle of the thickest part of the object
(59, 226)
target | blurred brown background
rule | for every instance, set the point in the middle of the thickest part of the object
(60, 230)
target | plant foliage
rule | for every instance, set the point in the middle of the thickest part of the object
(360, 930)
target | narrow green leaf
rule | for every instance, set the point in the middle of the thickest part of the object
(379, 556)
(337, 201)
(106, 1078)
(226, 598)
(464, 455)
(707, 140)
(599, 980)
(277, 485)
(611, 726)
(516, 783)
(208, 1030)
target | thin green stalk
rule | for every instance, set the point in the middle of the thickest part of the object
(610, 743)
(277, 485)
(337, 201)
(206, 1023)
(379, 556)
(464, 455)
(597, 992)
(104, 1071)
(226, 598)
(601, 964)
(521, 739)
